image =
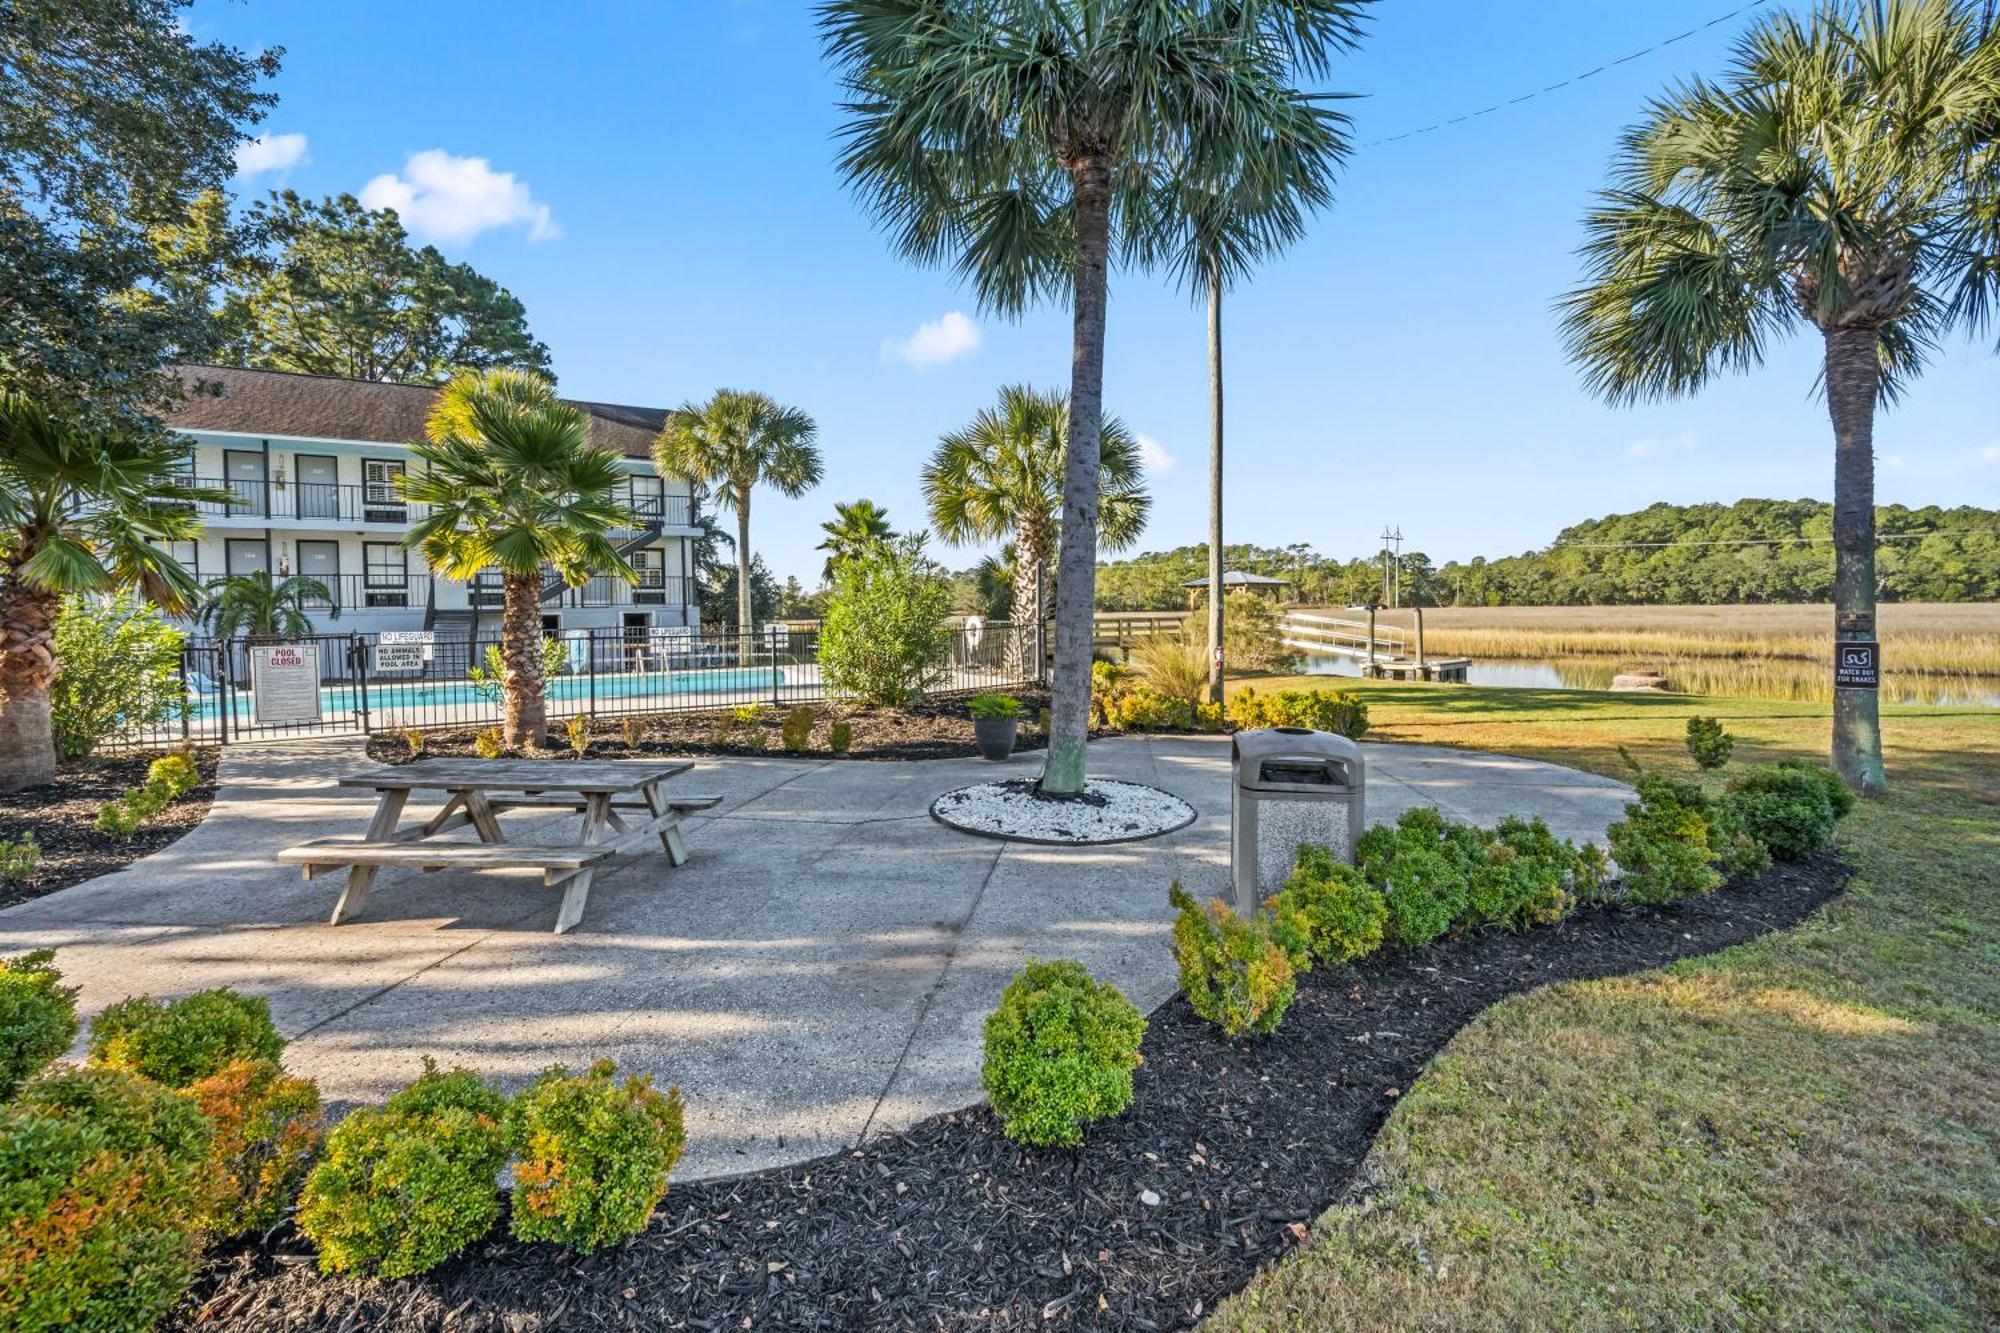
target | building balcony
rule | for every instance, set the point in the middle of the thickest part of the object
(260, 504)
(486, 592)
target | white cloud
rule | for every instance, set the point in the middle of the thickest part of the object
(270, 152)
(443, 197)
(1653, 444)
(1991, 453)
(946, 338)
(1153, 455)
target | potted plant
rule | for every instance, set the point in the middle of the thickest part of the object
(995, 718)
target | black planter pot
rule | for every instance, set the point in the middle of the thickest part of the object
(995, 736)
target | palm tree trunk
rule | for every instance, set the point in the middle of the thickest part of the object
(1076, 568)
(1030, 606)
(27, 666)
(1215, 589)
(1853, 382)
(527, 720)
(744, 624)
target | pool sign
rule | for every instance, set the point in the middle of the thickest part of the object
(403, 649)
(1857, 666)
(284, 683)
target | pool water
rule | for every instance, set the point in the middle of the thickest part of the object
(404, 696)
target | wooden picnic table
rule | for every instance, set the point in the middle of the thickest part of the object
(478, 792)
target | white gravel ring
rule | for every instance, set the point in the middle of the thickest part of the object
(1106, 812)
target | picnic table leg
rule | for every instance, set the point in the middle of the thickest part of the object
(670, 836)
(388, 814)
(596, 817)
(483, 817)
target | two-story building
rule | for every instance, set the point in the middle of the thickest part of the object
(314, 461)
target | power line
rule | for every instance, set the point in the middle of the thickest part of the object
(1726, 541)
(1573, 79)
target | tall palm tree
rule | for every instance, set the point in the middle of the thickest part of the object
(257, 606)
(1845, 175)
(1001, 479)
(513, 483)
(853, 528)
(734, 442)
(80, 511)
(1018, 138)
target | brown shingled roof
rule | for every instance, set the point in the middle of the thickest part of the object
(322, 407)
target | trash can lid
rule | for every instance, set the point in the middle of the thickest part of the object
(1297, 759)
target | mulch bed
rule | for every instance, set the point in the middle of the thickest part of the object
(932, 729)
(63, 817)
(1228, 1152)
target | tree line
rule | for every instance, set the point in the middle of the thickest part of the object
(1751, 551)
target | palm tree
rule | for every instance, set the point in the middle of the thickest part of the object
(257, 606)
(853, 528)
(1016, 139)
(1001, 479)
(1844, 175)
(733, 442)
(513, 483)
(80, 511)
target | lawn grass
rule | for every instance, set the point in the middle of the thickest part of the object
(1801, 1132)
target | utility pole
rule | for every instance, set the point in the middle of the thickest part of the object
(1392, 593)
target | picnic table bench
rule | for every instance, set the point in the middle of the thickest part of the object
(478, 792)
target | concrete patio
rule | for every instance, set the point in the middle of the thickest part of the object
(817, 973)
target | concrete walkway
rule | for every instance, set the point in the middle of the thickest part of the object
(818, 972)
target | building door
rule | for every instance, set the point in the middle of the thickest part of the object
(321, 560)
(319, 489)
(245, 474)
(246, 555)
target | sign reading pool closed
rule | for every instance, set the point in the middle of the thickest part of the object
(284, 683)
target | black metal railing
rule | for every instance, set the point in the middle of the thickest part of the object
(487, 592)
(395, 681)
(345, 503)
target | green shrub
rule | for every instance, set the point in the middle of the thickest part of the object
(1786, 808)
(1662, 845)
(593, 1155)
(1235, 972)
(20, 858)
(1707, 743)
(413, 741)
(488, 681)
(268, 1128)
(885, 639)
(489, 743)
(1838, 794)
(840, 737)
(176, 773)
(994, 707)
(1423, 865)
(1060, 1051)
(1530, 877)
(797, 731)
(37, 1017)
(189, 1039)
(1340, 917)
(402, 1187)
(1343, 713)
(103, 1176)
(632, 730)
(577, 732)
(118, 668)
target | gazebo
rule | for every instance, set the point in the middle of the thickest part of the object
(1234, 581)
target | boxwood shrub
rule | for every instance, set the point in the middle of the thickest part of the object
(1060, 1051)
(37, 1017)
(593, 1155)
(268, 1128)
(189, 1039)
(102, 1177)
(1790, 808)
(1235, 972)
(402, 1187)
(1326, 912)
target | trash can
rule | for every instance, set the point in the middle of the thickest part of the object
(1292, 785)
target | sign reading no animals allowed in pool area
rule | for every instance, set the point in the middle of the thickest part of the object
(284, 683)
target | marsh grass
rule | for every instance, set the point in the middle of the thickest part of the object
(1173, 664)
(1961, 639)
(1800, 1132)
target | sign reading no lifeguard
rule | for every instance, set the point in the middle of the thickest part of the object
(284, 683)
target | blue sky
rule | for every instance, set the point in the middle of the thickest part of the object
(656, 182)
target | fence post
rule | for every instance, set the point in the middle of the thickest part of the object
(590, 655)
(225, 660)
(776, 680)
(357, 660)
(186, 712)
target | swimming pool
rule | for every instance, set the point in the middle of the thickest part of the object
(442, 696)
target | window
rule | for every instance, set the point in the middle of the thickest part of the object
(651, 566)
(385, 569)
(381, 502)
(648, 498)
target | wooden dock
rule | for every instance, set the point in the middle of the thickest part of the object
(1385, 652)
